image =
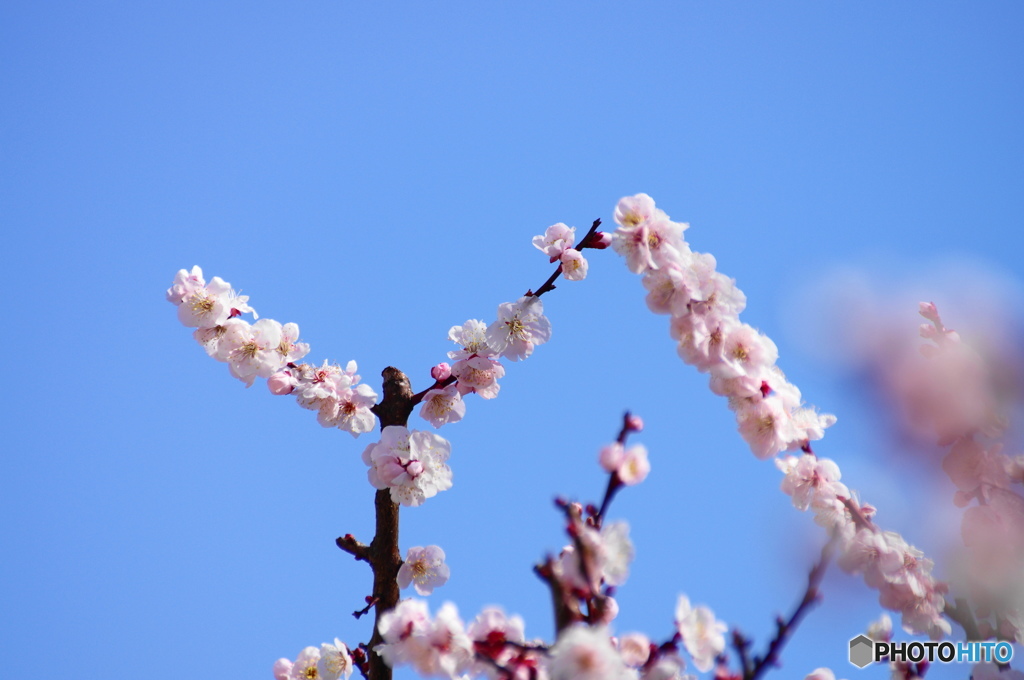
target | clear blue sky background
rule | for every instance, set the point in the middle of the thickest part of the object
(374, 172)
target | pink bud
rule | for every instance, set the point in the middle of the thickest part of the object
(634, 423)
(281, 382)
(600, 240)
(415, 469)
(929, 311)
(928, 331)
(441, 372)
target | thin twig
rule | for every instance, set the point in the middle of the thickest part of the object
(785, 628)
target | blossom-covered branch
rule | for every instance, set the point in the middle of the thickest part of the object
(704, 306)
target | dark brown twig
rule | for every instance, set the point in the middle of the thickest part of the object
(785, 627)
(349, 544)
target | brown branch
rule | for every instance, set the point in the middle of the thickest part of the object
(785, 628)
(566, 608)
(384, 555)
(349, 544)
(549, 284)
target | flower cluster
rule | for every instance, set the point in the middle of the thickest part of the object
(987, 480)
(411, 464)
(270, 350)
(704, 306)
(557, 243)
(329, 662)
(494, 645)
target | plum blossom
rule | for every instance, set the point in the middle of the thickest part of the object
(205, 305)
(585, 653)
(646, 237)
(335, 661)
(490, 631)
(821, 674)
(520, 327)
(411, 464)
(807, 476)
(478, 375)
(702, 635)
(435, 648)
(251, 350)
(442, 406)
(574, 265)
(472, 338)
(556, 240)
(425, 568)
(185, 283)
(635, 649)
(305, 666)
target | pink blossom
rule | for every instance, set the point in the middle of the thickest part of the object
(765, 425)
(252, 349)
(489, 631)
(206, 307)
(305, 665)
(807, 476)
(335, 661)
(584, 653)
(438, 648)
(472, 338)
(821, 674)
(611, 457)
(442, 406)
(635, 649)
(520, 327)
(650, 244)
(479, 375)
(425, 568)
(185, 283)
(635, 467)
(745, 352)
(555, 240)
(574, 265)
(703, 636)
(411, 464)
(670, 289)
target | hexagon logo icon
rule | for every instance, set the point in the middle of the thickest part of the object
(862, 651)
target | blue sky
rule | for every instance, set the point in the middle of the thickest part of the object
(375, 172)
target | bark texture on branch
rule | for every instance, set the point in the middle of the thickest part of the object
(385, 556)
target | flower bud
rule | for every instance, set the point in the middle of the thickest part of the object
(634, 423)
(282, 382)
(441, 372)
(414, 469)
(600, 240)
(929, 311)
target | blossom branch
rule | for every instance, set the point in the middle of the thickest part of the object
(585, 242)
